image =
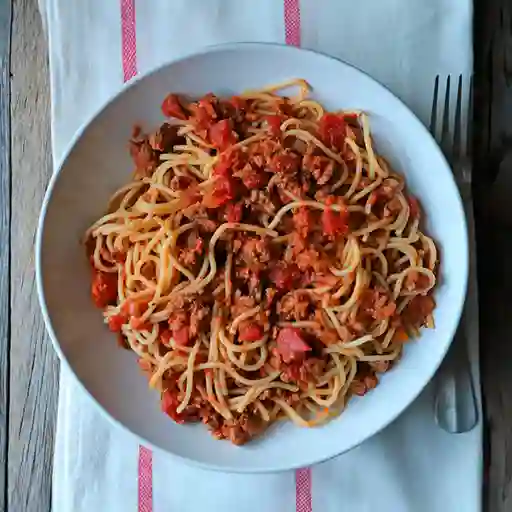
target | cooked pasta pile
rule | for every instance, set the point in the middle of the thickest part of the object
(264, 261)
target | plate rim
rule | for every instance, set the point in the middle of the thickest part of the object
(73, 142)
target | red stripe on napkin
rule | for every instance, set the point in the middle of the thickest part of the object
(129, 58)
(128, 39)
(292, 22)
(303, 502)
(145, 480)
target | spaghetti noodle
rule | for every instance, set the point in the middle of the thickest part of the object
(264, 262)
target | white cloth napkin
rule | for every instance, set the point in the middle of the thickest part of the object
(95, 45)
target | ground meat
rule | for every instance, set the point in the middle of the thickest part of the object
(262, 201)
(241, 305)
(321, 167)
(393, 207)
(362, 384)
(303, 372)
(295, 306)
(240, 430)
(285, 163)
(179, 183)
(288, 188)
(188, 318)
(199, 318)
(418, 310)
(254, 251)
(380, 366)
(303, 220)
(191, 254)
(311, 259)
(376, 303)
(252, 177)
(416, 281)
(252, 277)
(178, 319)
(262, 152)
(358, 387)
(292, 398)
(249, 183)
(144, 157)
(165, 138)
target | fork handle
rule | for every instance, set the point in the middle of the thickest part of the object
(455, 400)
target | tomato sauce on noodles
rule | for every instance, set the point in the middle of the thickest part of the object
(263, 263)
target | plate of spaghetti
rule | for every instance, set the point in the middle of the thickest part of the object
(254, 267)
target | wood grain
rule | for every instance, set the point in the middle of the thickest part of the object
(493, 140)
(496, 331)
(34, 371)
(5, 196)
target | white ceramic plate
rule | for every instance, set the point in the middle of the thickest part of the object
(98, 163)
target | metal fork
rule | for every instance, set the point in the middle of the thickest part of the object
(455, 404)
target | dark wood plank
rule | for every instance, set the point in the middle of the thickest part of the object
(5, 195)
(34, 378)
(496, 328)
(492, 142)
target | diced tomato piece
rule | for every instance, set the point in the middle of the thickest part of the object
(134, 307)
(334, 223)
(251, 332)
(228, 162)
(332, 130)
(221, 135)
(104, 288)
(223, 191)
(170, 403)
(291, 344)
(234, 212)
(414, 206)
(115, 322)
(274, 124)
(223, 167)
(138, 324)
(171, 107)
(181, 336)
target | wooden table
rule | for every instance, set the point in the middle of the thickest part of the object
(28, 366)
